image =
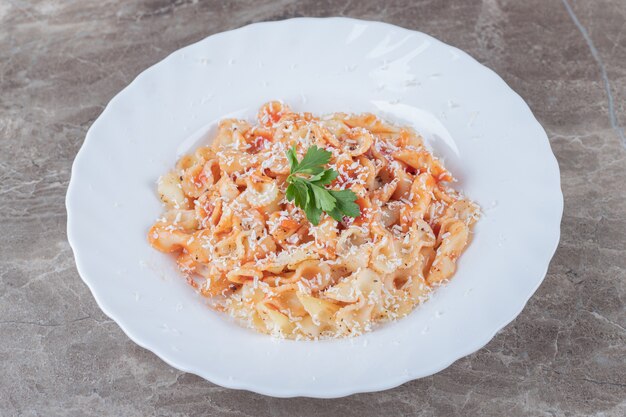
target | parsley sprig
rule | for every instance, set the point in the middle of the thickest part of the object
(307, 181)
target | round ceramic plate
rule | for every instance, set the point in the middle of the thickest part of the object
(483, 130)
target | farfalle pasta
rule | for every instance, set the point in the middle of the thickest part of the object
(239, 241)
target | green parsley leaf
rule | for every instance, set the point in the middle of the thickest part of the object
(345, 202)
(291, 192)
(336, 214)
(324, 178)
(313, 211)
(323, 198)
(313, 161)
(306, 187)
(293, 159)
(300, 192)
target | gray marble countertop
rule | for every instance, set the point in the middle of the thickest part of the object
(62, 61)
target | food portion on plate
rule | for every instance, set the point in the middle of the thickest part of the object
(309, 227)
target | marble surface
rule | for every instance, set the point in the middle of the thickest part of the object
(61, 62)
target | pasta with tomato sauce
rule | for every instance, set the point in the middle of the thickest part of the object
(239, 241)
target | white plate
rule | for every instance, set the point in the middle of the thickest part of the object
(485, 132)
